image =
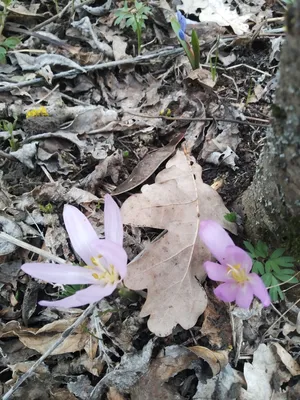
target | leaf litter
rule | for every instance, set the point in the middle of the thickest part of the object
(88, 119)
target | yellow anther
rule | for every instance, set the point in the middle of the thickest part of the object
(94, 261)
(109, 275)
(237, 273)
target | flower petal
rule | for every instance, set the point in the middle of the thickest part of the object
(80, 231)
(244, 295)
(259, 289)
(182, 20)
(226, 291)
(217, 272)
(113, 225)
(113, 253)
(60, 273)
(235, 255)
(215, 238)
(181, 34)
(92, 294)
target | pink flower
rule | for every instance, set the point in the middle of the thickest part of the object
(106, 260)
(234, 269)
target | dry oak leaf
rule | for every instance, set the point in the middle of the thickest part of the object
(168, 267)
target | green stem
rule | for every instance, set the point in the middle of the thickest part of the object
(139, 34)
(3, 16)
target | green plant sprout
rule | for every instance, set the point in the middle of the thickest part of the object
(230, 217)
(47, 209)
(69, 290)
(134, 17)
(56, 6)
(213, 64)
(4, 14)
(9, 127)
(191, 50)
(7, 44)
(249, 95)
(274, 268)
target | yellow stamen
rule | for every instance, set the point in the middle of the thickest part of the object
(108, 275)
(237, 273)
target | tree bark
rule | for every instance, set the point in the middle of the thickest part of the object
(272, 203)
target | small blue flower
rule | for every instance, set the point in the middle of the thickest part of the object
(182, 21)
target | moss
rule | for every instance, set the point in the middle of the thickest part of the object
(278, 112)
(291, 235)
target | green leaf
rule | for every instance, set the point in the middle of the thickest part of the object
(267, 278)
(261, 249)
(287, 271)
(280, 292)
(258, 268)
(176, 28)
(250, 248)
(196, 48)
(11, 42)
(285, 261)
(277, 253)
(272, 266)
(284, 278)
(274, 290)
(2, 55)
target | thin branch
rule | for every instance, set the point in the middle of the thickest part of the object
(282, 316)
(64, 335)
(27, 246)
(233, 121)
(8, 156)
(111, 64)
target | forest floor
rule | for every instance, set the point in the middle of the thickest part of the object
(82, 115)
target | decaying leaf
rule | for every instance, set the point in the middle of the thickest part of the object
(148, 165)
(177, 201)
(226, 385)
(216, 324)
(167, 364)
(7, 225)
(217, 360)
(291, 365)
(171, 361)
(265, 376)
(130, 369)
(41, 339)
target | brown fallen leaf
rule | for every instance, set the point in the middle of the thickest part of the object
(168, 268)
(148, 165)
(217, 360)
(216, 325)
(169, 362)
(113, 394)
(291, 365)
(41, 339)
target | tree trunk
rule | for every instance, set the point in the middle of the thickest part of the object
(272, 202)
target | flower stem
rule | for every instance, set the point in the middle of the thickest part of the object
(139, 34)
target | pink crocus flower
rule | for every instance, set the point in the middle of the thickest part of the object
(240, 285)
(105, 259)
